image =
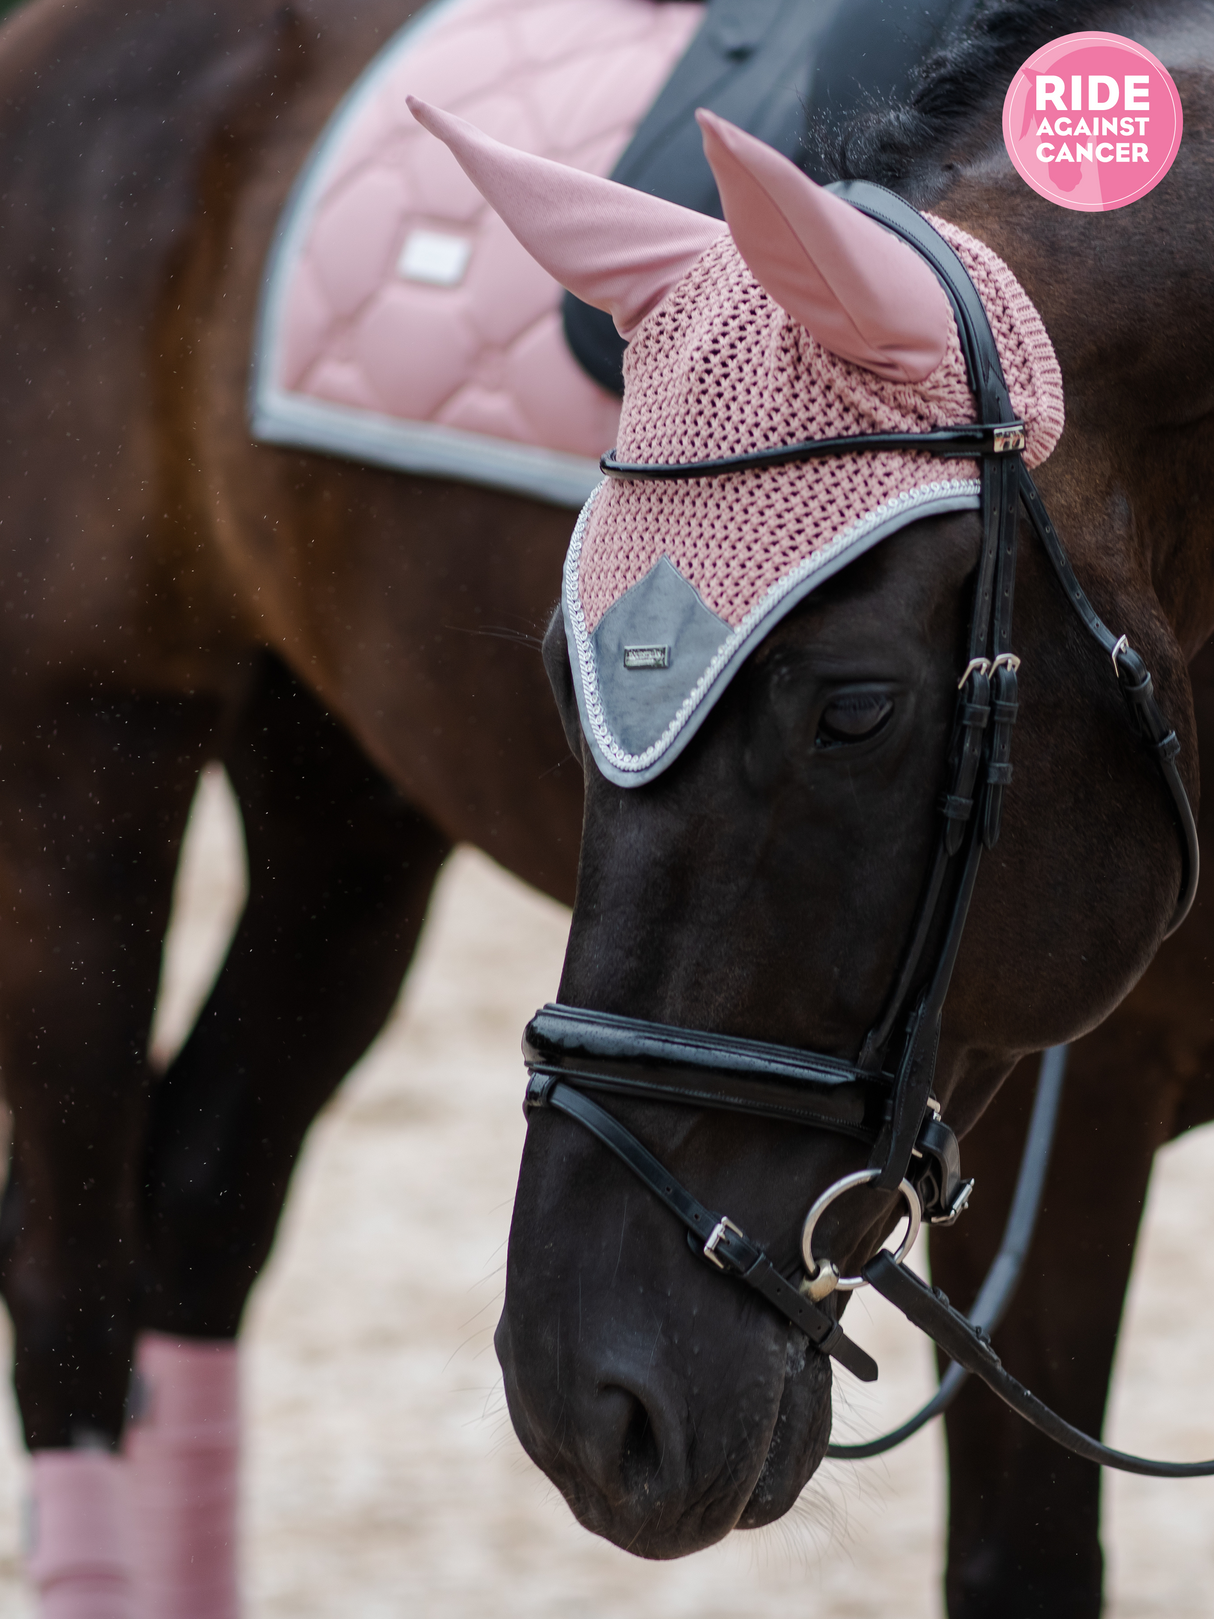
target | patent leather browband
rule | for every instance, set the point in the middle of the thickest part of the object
(629, 1057)
(885, 1103)
(601, 1053)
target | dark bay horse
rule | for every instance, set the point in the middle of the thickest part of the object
(354, 645)
(360, 649)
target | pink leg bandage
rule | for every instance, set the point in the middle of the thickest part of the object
(79, 1560)
(183, 1451)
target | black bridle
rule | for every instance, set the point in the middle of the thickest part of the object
(884, 1099)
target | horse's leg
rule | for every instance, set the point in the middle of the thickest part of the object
(1024, 1515)
(340, 871)
(94, 799)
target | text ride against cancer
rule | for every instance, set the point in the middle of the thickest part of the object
(1086, 136)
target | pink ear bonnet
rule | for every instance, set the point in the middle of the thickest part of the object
(804, 319)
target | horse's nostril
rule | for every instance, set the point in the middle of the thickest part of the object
(637, 1443)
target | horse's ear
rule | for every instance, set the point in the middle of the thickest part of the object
(618, 249)
(865, 295)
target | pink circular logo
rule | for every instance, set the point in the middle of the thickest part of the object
(1092, 121)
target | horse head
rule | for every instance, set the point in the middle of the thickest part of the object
(759, 671)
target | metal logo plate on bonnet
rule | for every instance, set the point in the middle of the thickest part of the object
(646, 657)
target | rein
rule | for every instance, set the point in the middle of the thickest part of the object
(884, 1101)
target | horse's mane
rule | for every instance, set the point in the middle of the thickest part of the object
(888, 142)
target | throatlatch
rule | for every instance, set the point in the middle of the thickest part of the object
(887, 1104)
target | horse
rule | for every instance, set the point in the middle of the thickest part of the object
(357, 647)
(751, 896)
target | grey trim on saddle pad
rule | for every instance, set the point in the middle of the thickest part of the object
(659, 658)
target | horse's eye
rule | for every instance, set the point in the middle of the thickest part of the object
(852, 717)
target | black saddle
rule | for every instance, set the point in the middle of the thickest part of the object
(769, 66)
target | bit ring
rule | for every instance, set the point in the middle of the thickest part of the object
(823, 1278)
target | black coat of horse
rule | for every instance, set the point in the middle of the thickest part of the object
(175, 593)
(765, 886)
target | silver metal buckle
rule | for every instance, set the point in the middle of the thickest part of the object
(957, 1205)
(982, 665)
(1008, 438)
(723, 1225)
(1121, 644)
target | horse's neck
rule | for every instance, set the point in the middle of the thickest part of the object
(1128, 299)
(1137, 357)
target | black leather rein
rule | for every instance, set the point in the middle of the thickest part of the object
(969, 1347)
(883, 1101)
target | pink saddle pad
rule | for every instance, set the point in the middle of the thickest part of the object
(401, 322)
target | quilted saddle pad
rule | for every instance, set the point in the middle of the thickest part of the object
(401, 322)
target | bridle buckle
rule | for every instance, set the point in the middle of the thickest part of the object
(958, 1205)
(723, 1225)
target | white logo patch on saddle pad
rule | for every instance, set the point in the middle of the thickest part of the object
(401, 322)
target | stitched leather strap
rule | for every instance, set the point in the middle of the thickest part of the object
(969, 1347)
(1136, 687)
(962, 836)
(974, 329)
(1003, 1277)
(950, 443)
(720, 1241)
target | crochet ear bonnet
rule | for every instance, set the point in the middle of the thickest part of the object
(801, 319)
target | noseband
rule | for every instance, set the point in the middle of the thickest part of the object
(884, 1099)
